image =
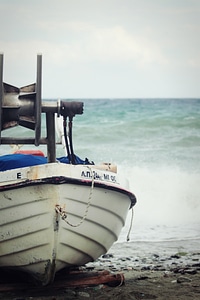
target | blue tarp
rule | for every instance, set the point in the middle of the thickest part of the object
(14, 161)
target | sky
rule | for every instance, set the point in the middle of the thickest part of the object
(103, 48)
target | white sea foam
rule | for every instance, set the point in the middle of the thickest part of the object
(168, 205)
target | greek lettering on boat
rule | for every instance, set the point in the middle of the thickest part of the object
(98, 176)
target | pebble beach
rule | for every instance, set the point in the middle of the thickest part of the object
(151, 270)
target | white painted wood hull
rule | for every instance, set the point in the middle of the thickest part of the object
(35, 238)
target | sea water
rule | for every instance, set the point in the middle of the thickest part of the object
(156, 145)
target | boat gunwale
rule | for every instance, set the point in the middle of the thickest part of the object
(67, 180)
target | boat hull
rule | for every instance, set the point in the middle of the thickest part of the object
(56, 216)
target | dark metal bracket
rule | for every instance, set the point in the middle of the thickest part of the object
(23, 106)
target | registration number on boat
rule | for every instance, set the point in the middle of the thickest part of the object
(97, 176)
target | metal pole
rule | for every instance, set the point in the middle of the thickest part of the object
(38, 108)
(51, 140)
(1, 90)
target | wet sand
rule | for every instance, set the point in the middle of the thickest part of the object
(167, 270)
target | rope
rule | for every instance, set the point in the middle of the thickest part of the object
(63, 213)
(131, 225)
(122, 280)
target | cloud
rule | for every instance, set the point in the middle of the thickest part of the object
(116, 44)
(63, 38)
(194, 63)
(147, 41)
(89, 43)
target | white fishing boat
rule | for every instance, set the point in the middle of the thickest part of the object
(55, 213)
